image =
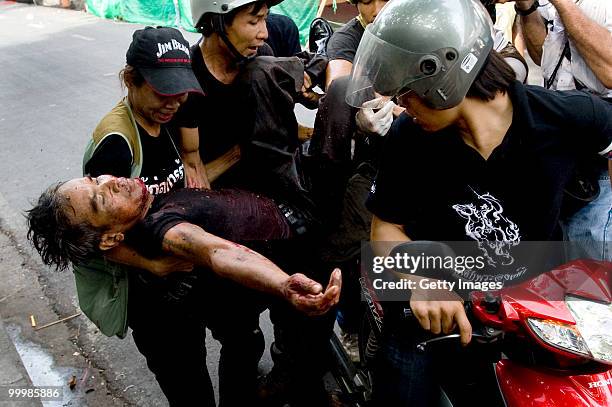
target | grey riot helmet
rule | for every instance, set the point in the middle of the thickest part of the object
(208, 16)
(200, 8)
(434, 48)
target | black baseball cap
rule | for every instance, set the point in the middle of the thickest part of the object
(162, 56)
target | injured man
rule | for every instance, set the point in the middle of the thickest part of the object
(82, 218)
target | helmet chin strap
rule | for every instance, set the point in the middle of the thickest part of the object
(218, 22)
(361, 20)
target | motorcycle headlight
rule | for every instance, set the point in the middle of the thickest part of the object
(594, 322)
(559, 335)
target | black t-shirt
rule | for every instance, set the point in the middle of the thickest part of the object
(162, 168)
(344, 42)
(223, 114)
(235, 215)
(256, 112)
(439, 188)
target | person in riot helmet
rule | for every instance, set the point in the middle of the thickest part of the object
(249, 107)
(238, 83)
(213, 17)
(346, 146)
(472, 137)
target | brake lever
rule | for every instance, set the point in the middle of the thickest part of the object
(492, 336)
(422, 347)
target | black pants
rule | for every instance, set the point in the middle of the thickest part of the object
(342, 179)
(303, 341)
(168, 325)
(342, 248)
(233, 318)
(168, 318)
(404, 377)
(171, 336)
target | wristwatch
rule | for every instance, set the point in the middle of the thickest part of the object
(530, 10)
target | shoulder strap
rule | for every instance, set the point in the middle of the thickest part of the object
(564, 54)
(175, 149)
(137, 163)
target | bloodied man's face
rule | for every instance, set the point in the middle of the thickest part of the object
(106, 202)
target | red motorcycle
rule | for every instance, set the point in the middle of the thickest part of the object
(560, 325)
(553, 332)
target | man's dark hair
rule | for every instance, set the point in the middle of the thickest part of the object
(495, 76)
(58, 241)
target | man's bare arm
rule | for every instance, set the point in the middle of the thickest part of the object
(533, 30)
(386, 235)
(335, 69)
(249, 268)
(594, 41)
(225, 258)
(195, 171)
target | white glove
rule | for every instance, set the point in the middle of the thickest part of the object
(379, 122)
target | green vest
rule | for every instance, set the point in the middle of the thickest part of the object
(119, 121)
(102, 286)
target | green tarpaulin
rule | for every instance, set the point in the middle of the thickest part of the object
(300, 11)
(159, 12)
(177, 13)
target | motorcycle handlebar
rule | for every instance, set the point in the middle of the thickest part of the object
(489, 334)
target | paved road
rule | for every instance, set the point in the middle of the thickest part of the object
(58, 78)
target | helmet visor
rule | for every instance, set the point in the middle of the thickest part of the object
(383, 69)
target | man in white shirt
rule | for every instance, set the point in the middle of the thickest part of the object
(586, 25)
(572, 41)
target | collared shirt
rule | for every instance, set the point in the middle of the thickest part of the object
(439, 188)
(599, 11)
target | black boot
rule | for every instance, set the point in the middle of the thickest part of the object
(284, 385)
(319, 34)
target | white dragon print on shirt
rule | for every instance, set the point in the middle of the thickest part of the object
(487, 224)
